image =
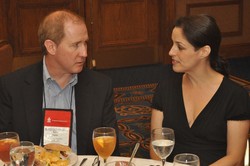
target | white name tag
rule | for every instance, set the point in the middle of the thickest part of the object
(57, 126)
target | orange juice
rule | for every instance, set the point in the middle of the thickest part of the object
(104, 145)
(5, 149)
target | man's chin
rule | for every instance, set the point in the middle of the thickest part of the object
(78, 70)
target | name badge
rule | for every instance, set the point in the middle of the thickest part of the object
(57, 126)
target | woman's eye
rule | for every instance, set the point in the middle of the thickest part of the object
(180, 47)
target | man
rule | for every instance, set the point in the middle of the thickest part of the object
(60, 82)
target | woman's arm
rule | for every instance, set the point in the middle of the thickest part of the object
(237, 135)
(156, 122)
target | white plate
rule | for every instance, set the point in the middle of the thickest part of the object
(72, 159)
(1, 163)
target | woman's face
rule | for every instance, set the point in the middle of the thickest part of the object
(184, 56)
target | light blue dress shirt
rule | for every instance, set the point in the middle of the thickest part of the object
(58, 98)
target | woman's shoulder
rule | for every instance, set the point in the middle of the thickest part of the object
(234, 84)
(238, 99)
(171, 77)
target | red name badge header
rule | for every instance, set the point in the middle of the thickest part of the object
(57, 118)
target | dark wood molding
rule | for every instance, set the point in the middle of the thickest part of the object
(235, 50)
(167, 20)
(239, 3)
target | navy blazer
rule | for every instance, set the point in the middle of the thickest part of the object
(21, 97)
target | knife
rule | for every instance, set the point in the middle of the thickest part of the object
(83, 161)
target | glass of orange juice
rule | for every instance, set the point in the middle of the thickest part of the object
(6, 140)
(104, 140)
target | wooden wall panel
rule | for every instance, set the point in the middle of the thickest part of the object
(29, 15)
(232, 18)
(230, 24)
(3, 20)
(28, 40)
(124, 32)
(24, 17)
(128, 24)
(168, 10)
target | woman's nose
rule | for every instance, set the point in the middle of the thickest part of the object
(171, 51)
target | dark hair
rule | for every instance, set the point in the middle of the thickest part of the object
(52, 26)
(201, 30)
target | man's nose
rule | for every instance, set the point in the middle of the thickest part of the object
(83, 51)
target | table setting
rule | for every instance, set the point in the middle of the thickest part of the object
(14, 152)
(137, 161)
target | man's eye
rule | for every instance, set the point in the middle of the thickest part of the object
(75, 45)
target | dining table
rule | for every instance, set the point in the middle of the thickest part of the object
(136, 161)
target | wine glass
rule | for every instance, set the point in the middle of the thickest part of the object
(104, 140)
(186, 159)
(6, 140)
(22, 154)
(162, 141)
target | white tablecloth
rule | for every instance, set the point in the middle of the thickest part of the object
(137, 161)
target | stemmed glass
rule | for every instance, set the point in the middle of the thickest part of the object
(6, 140)
(163, 140)
(186, 159)
(22, 154)
(104, 140)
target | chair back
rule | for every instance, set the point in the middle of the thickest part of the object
(6, 57)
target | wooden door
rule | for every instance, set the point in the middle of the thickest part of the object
(123, 32)
(232, 18)
(22, 22)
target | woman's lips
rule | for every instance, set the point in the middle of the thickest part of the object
(174, 61)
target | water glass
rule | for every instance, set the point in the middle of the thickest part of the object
(186, 159)
(22, 154)
(162, 141)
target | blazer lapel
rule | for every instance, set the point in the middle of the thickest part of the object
(33, 98)
(84, 95)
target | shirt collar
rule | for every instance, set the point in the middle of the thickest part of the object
(47, 78)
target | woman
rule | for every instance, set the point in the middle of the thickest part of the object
(208, 112)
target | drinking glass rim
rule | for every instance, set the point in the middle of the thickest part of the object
(31, 143)
(187, 154)
(20, 144)
(14, 134)
(110, 130)
(161, 129)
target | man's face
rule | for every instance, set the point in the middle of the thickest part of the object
(71, 53)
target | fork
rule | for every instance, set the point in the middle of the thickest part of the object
(83, 161)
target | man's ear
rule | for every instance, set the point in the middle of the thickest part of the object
(50, 46)
(205, 51)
